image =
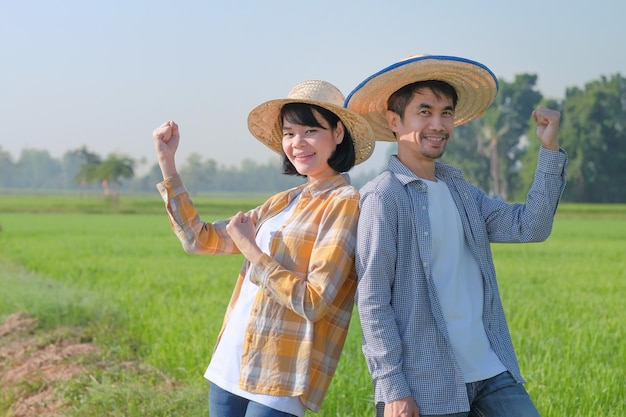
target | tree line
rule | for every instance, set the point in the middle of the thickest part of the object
(499, 150)
(496, 151)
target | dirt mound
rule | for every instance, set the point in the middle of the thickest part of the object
(32, 364)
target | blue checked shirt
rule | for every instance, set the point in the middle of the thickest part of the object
(405, 340)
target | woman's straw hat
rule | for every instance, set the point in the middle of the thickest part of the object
(264, 123)
(475, 85)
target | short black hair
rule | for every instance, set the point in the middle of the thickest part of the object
(401, 98)
(344, 156)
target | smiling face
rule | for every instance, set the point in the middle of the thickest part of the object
(309, 147)
(423, 131)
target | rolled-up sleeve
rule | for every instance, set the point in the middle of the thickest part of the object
(195, 235)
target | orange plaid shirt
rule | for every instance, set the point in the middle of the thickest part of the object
(300, 319)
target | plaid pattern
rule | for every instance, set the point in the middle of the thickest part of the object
(300, 320)
(405, 340)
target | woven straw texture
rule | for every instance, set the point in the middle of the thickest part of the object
(264, 123)
(475, 85)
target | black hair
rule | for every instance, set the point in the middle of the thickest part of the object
(344, 156)
(398, 101)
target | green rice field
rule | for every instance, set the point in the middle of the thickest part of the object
(118, 273)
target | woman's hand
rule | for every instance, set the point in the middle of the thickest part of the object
(166, 138)
(243, 233)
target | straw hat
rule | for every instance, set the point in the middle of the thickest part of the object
(264, 123)
(475, 85)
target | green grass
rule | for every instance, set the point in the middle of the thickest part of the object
(564, 301)
(119, 273)
(215, 204)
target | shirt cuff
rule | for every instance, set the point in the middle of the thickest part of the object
(552, 162)
(261, 270)
(171, 187)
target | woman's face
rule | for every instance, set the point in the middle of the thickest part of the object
(309, 148)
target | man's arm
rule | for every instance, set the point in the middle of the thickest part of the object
(375, 264)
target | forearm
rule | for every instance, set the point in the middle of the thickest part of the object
(306, 275)
(544, 196)
(168, 167)
(195, 235)
(309, 293)
(530, 221)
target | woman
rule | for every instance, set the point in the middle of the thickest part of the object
(288, 317)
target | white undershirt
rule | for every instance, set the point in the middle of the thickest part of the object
(225, 364)
(459, 285)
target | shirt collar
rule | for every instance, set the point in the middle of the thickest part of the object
(316, 188)
(405, 175)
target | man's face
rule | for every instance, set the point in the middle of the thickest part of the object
(427, 124)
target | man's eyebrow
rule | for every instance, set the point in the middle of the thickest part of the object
(430, 106)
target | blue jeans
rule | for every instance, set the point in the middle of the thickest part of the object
(500, 396)
(226, 404)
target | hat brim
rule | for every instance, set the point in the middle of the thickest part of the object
(476, 87)
(264, 124)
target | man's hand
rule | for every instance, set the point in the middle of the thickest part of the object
(404, 407)
(547, 121)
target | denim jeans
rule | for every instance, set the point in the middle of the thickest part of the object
(225, 404)
(500, 396)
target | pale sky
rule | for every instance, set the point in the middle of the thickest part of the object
(104, 74)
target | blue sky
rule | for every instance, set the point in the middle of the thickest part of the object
(105, 74)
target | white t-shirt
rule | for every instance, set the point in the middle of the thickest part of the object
(225, 364)
(459, 285)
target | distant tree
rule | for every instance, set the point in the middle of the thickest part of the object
(148, 181)
(253, 176)
(504, 125)
(490, 149)
(593, 132)
(70, 165)
(465, 150)
(108, 172)
(112, 170)
(199, 174)
(36, 169)
(87, 170)
(7, 167)
(528, 162)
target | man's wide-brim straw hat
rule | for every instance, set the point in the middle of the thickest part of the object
(264, 123)
(476, 87)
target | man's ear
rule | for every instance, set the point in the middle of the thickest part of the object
(393, 119)
(339, 131)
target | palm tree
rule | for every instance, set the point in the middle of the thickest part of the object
(87, 170)
(113, 169)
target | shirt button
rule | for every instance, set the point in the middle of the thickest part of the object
(425, 233)
(424, 207)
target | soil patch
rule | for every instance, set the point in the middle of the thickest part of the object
(33, 364)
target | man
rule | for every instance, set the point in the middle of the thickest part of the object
(435, 337)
